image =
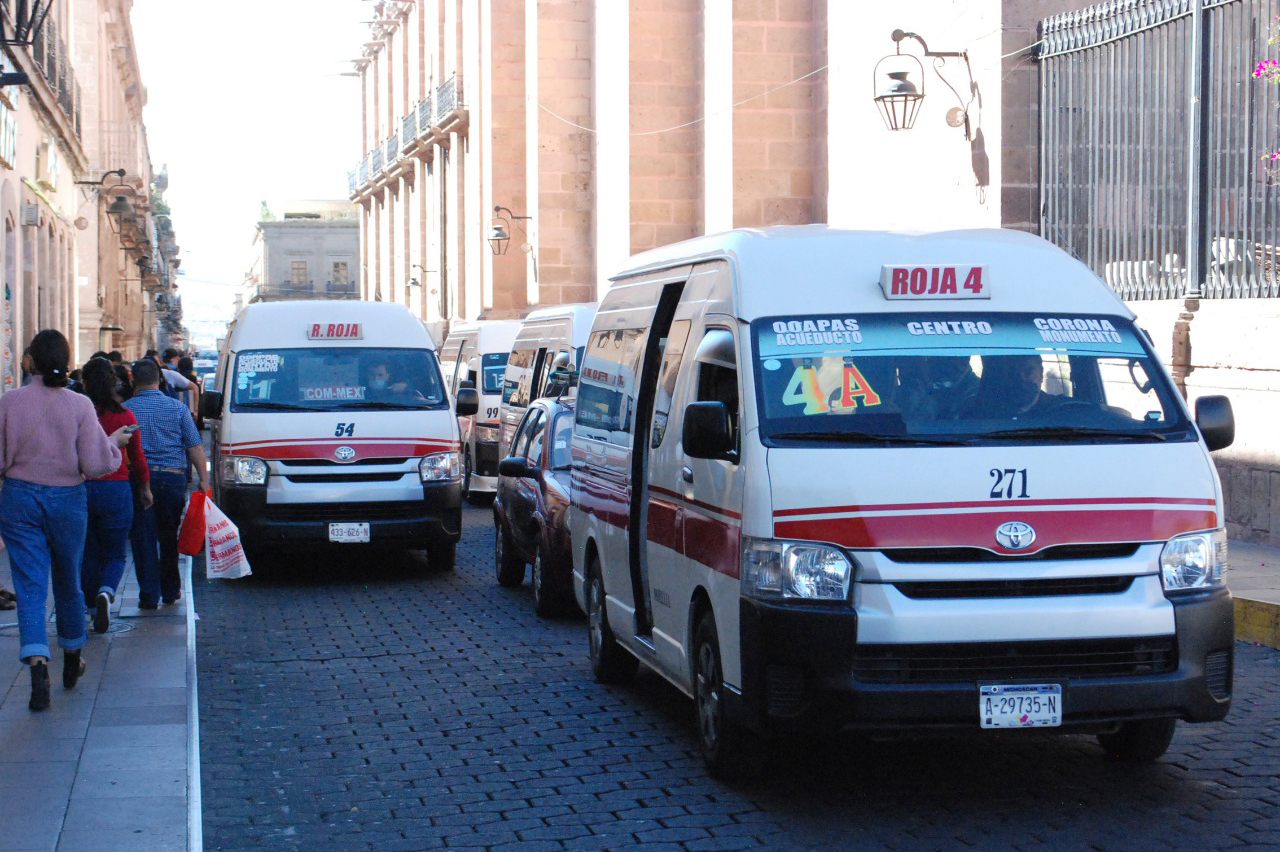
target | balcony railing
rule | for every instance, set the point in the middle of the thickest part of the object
(351, 182)
(417, 123)
(448, 97)
(50, 54)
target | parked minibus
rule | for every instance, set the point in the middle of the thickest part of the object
(332, 425)
(544, 334)
(830, 480)
(475, 355)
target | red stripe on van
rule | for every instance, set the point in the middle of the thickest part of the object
(981, 504)
(977, 529)
(737, 516)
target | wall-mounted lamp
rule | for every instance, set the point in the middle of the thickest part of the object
(120, 208)
(898, 97)
(144, 265)
(500, 228)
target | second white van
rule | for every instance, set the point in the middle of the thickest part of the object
(475, 355)
(544, 334)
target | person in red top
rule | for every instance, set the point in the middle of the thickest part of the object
(110, 497)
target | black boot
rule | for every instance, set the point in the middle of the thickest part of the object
(39, 686)
(72, 668)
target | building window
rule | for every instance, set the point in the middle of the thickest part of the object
(298, 272)
(341, 280)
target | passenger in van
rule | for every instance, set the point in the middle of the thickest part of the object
(381, 384)
(1010, 387)
(937, 387)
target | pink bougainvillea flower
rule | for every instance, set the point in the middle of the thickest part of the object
(1267, 68)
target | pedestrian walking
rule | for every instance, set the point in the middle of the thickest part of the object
(50, 442)
(171, 443)
(187, 369)
(110, 498)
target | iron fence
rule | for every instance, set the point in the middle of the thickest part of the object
(1160, 202)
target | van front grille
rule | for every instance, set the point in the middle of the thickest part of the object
(1051, 661)
(947, 590)
(332, 463)
(395, 510)
(978, 554)
(346, 477)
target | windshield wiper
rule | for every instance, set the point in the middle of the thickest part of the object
(868, 438)
(1073, 432)
(273, 406)
(382, 404)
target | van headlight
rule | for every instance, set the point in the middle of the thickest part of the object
(440, 467)
(487, 434)
(1195, 562)
(794, 570)
(244, 471)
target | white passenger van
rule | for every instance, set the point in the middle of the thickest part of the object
(475, 355)
(840, 480)
(544, 334)
(332, 424)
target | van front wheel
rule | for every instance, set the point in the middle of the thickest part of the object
(442, 556)
(1139, 742)
(729, 750)
(610, 662)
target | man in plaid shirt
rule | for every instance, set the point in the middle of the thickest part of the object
(171, 442)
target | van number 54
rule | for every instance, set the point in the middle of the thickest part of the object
(344, 430)
(1007, 482)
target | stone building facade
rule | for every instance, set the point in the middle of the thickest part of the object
(311, 253)
(602, 128)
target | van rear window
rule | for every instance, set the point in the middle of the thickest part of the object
(960, 377)
(338, 378)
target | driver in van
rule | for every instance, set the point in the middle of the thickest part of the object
(379, 380)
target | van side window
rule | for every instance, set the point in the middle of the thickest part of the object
(672, 354)
(515, 391)
(607, 384)
(718, 383)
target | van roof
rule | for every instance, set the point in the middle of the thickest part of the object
(574, 311)
(793, 269)
(285, 324)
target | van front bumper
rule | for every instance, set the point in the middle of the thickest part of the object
(804, 671)
(436, 519)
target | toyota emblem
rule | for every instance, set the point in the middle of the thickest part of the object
(346, 454)
(1015, 535)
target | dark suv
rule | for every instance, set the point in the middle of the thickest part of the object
(531, 506)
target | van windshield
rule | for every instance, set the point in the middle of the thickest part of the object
(493, 366)
(936, 378)
(338, 378)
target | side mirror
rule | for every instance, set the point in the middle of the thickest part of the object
(516, 466)
(468, 402)
(1216, 421)
(706, 431)
(211, 405)
(562, 378)
(466, 383)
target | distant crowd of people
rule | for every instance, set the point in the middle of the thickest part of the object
(94, 460)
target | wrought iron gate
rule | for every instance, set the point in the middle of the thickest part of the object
(1161, 193)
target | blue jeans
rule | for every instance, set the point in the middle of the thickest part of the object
(43, 527)
(155, 538)
(110, 517)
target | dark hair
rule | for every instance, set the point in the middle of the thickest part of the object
(124, 384)
(186, 366)
(145, 372)
(50, 353)
(98, 354)
(115, 357)
(171, 353)
(149, 353)
(100, 385)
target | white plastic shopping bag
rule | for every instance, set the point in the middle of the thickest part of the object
(223, 553)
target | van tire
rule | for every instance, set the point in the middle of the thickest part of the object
(442, 556)
(1141, 741)
(467, 493)
(730, 751)
(610, 662)
(509, 564)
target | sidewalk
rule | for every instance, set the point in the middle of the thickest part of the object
(114, 763)
(1254, 580)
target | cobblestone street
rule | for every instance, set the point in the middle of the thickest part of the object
(376, 703)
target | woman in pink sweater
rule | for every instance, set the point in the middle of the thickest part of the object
(50, 442)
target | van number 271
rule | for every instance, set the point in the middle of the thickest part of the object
(1009, 483)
